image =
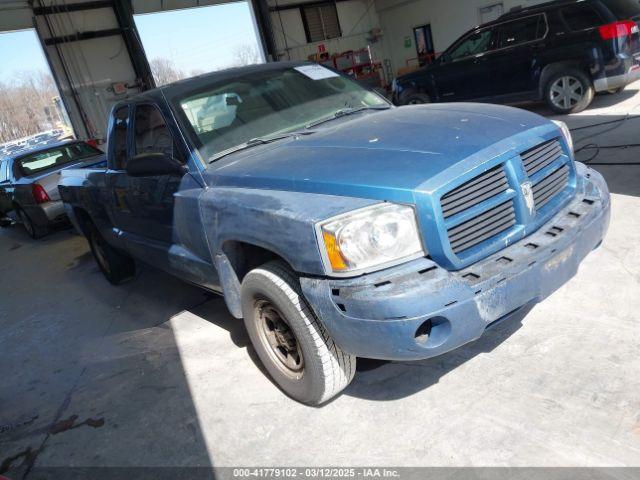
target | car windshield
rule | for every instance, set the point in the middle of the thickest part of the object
(43, 160)
(258, 105)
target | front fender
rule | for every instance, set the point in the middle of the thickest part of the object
(279, 221)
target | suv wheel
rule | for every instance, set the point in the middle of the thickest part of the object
(292, 344)
(416, 99)
(569, 91)
(115, 265)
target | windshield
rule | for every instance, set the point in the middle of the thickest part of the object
(261, 104)
(40, 161)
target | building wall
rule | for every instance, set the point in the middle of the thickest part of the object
(448, 19)
(357, 18)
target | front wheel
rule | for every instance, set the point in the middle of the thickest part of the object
(569, 91)
(292, 344)
(416, 99)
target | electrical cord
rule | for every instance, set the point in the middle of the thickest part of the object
(598, 148)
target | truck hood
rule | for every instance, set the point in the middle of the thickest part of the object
(386, 155)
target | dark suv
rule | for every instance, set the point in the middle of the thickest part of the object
(562, 52)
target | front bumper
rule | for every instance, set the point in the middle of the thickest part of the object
(419, 310)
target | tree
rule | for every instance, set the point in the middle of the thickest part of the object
(26, 103)
(246, 55)
(165, 71)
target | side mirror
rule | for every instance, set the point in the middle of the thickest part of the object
(154, 164)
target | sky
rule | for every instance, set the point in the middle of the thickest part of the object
(200, 39)
(20, 51)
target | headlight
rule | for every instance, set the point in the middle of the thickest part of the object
(566, 133)
(374, 236)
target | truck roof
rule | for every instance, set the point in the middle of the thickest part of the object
(180, 87)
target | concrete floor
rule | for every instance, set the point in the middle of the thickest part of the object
(157, 373)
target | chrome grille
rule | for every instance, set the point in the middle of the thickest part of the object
(487, 223)
(471, 193)
(536, 158)
(545, 189)
(484, 226)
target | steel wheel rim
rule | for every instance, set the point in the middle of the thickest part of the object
(101, 256)
(26, 222)
(566, 92)
(279, 339)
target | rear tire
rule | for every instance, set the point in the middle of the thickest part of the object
(292, 344)
(615, 91)
(34, 230)
(568, 91)
(115, 265)
(416, 99)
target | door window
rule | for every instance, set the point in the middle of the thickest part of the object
(581, 17)
(522, 31)
(475, 43)
(151, 133)
(120, 122)
(3, 171)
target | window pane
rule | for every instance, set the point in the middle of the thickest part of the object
(522, 31)
(41, 161)
(3, 171)
(322, 22)
(151, 132)
(581, 17)
(265, 103)
(330, 22)
(120, 137)
(477, 42)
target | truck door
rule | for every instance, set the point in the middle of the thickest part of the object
(144, 206)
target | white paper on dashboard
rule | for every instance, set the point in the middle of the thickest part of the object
(316, 72)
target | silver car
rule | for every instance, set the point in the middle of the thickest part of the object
(29, 183)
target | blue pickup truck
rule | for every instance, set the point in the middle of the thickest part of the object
(335, 224)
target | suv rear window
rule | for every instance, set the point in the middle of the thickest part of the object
(623, 9)
(523, 30)
(581, 17)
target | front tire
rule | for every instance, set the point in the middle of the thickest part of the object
(569, 91)
(292, 344)
(115, 265)
(416, 99)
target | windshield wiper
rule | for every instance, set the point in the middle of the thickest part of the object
(344, 112)
(254, 142)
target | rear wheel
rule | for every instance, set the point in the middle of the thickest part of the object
(294, 347)
(33, 230)
(569, 91)
(116, 265)
(614, 91)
